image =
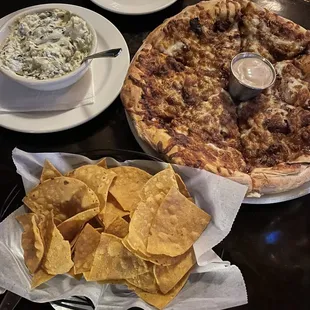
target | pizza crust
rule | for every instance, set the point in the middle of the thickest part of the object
(244, 179)
(285, 177)
(223, 9)
(280, 178)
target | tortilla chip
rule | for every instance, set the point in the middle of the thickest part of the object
(100, 230)
(96, 223)
(158, 300)
(64, 196)
(127, 185)
(86, 276)
(111, 212)
(155, 259)
(114, 262)
(103, 163)
(160, 183)
(32, 242)
(73, 242)
(127, 218)
(177, 225)
(167, 277)
(49, 172)
(114, 206)
(191, 199)
(57, 222)
(182, 187)
(72, 226)
(85, 248)
(73, 275)
(119, 228)
(97, 178)
(57, 254)
(114, 282)
(145, 281)
(39, 278)
(140, 225)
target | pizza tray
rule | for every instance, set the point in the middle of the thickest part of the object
(265, 199)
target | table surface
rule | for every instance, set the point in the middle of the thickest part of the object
(269, 243)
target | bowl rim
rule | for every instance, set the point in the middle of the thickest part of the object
(62, 78)
(242, 55)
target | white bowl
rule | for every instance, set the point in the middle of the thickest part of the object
(48, 84)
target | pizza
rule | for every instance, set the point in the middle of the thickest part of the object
(176, 95)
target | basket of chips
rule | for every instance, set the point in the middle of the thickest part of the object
(103, 227)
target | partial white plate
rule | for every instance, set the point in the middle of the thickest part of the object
(281, 197)
(133, 7)
(266, 199)
(108, 76)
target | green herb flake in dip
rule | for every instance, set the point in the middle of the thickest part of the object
(46, 45)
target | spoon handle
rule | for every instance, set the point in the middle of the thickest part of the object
(109, 53)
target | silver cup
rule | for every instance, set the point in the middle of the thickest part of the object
(240, 91)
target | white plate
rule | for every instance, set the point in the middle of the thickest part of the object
(281, 197)
(108, 75)
(265, 199)
(133, 7)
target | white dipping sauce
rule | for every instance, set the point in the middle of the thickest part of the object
(253, 72)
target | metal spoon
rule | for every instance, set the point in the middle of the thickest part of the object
(109, 53)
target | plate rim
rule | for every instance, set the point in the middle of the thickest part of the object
(162, 7)
(89, 115)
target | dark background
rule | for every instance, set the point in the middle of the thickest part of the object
(269, 243)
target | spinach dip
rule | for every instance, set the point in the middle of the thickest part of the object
(46, 44)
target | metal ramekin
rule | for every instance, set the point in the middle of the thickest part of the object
(240, 91)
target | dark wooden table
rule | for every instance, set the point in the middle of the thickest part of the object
(269, 243)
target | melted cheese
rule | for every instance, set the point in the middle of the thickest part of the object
(173, 49)
(280, 66)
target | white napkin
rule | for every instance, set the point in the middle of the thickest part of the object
(16, 98)
(213, 284)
